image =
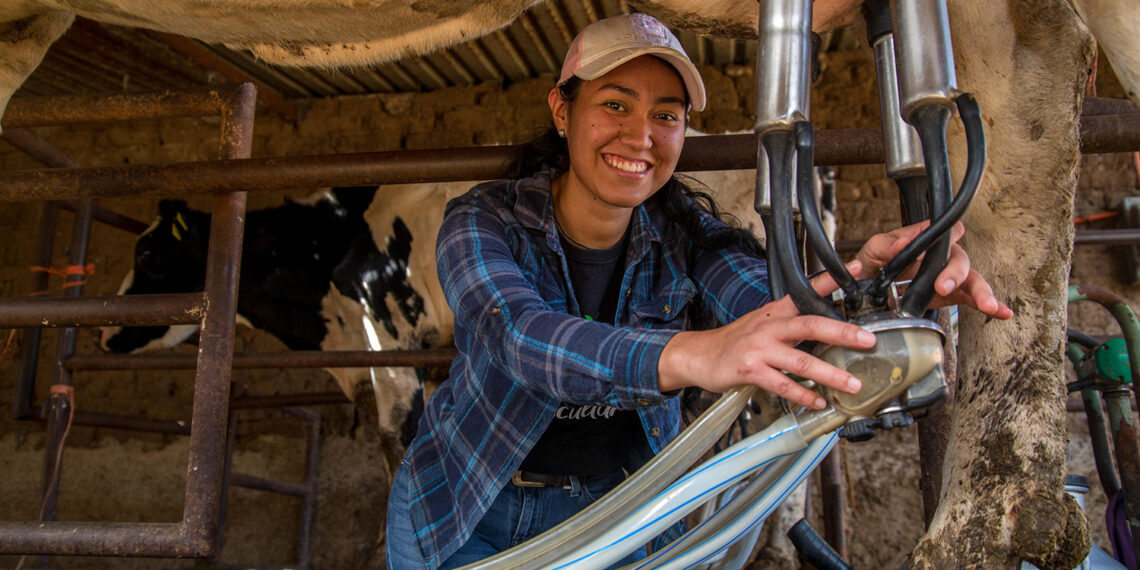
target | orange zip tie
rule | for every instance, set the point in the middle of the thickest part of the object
(68, 271)
(1095, 217)
(88, 269)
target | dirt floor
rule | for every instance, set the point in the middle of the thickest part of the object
(112, 475)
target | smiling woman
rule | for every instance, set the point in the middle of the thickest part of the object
(573, 285)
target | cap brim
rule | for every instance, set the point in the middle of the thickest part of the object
(610, 60)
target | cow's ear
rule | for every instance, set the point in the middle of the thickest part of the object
(355, 199)
(168, 209)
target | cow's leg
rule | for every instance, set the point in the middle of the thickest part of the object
(1003, 498)
(23, 44)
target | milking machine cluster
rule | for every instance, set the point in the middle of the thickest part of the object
(918, 95)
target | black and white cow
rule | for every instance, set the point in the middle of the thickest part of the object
(336, 271)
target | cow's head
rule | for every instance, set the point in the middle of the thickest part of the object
(170, 257)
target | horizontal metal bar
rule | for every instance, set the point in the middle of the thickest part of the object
(263, 484)
(163, 309)
(108, 217)
(289, 400)
(166, 540)
(41, 111)
(1107, 237)
(37, 148)
(1106, 133)
(296, 359)
(1107, 106)
(114, 421)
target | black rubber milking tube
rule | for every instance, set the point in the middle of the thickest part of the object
(915, 302)
(931, 123)
(780, 145)
(912, 194)
(775, 280)
(817, 236)
(975, 165)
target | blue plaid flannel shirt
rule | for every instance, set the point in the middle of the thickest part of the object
(523, 350)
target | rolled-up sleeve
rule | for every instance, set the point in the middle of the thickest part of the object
(542, 349)
(732, 281)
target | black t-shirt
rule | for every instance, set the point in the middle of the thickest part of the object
(589, 439)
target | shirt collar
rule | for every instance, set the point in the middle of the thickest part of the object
(534, 209)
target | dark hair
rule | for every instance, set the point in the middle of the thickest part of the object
(682, 204)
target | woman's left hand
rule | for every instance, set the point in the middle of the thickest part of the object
(957, 284)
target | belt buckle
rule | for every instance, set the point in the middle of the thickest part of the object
(518, 481)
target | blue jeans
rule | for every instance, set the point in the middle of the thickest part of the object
(517, 515)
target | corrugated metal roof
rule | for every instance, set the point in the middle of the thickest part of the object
(92, 58)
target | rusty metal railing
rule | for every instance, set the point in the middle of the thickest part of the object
(197, 534)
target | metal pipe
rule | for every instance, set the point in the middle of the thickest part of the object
(1098, 435)
(309, 502)
(924, 55)
(1126, 444)
(60, 405)
(934, 431)
(783, 64)
(263, 484)
(1118, 401)
(903, 149)
(834, 501)
(227, 477)
(79, 109)
(1078, 405)
(165, 540)
(1101, 134)
(1125, 318)
(295, 359)
(25, 396)
(1094, 415)
(161, 309)
(1092, 106)
(105, 216)
(37, 148)
(215, 351)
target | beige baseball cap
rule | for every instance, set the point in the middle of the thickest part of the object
(606, 44)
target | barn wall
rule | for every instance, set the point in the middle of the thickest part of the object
(112, 475)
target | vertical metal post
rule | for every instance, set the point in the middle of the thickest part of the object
(312, 462)
(834, 502)
(59, 407)
(934, 430)
(215, 352)
(29, 357)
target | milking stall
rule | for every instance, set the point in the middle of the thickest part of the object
(220, 318)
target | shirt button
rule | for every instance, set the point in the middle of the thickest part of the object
(495, 310)
(667, 309)
(654, 432)
(644, 402)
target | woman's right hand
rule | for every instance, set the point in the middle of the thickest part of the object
(756, 348)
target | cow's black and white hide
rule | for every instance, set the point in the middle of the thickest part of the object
(337, 271)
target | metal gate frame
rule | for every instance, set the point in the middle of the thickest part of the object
(214, 309)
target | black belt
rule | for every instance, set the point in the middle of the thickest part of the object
(540, 480)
